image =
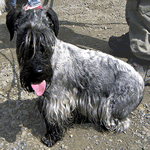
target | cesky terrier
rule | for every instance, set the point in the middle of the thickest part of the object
(71, 82)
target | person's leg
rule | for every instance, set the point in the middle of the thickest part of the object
(138, 17)
(45, 2)
(11, 2)
(137, 40)
(139, 28)
(136, 43)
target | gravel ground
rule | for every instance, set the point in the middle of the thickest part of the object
(88, 24)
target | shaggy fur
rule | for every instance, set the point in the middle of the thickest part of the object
(2, 6)
(80, 82)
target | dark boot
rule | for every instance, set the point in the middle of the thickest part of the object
(141, 66)
(120, 45)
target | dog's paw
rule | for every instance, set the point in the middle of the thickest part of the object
(119, 125)
(49, 139)
(122, 125)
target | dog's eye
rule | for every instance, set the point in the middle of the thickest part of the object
(29, 55)
(42, 48)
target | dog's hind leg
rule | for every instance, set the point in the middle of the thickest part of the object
(110, 122)
(126, 94)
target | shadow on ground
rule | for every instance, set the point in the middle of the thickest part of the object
(17, 113)
(84, 41)
(65, 34)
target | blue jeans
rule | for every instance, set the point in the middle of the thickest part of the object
(33, 3)
(11, 2)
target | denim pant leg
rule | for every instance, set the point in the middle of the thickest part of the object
(33, 3)
(11, 2)
(138, 18)
(45, 2)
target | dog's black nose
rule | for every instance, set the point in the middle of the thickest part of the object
(39, 70)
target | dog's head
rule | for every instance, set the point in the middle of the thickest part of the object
(16, 17)
(36, 30)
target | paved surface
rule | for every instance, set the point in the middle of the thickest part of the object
(88, 24)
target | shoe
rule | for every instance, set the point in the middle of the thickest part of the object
(26, 7)
(147, 77)
(120, 45)
(141, 66)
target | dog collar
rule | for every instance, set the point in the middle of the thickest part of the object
(29, 7)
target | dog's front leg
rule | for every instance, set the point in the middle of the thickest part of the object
(53, 121)
(53, 134)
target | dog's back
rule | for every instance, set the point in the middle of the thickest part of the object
(102, 87)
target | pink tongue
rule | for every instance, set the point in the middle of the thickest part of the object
(39, 88)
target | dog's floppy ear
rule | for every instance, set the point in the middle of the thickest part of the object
(11, 19)
(54, 19)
